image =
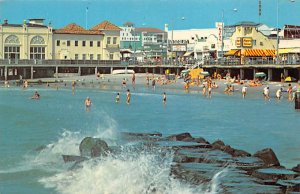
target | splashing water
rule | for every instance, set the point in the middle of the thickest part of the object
(130, 172)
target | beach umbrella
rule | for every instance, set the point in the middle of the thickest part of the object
(260, 74)
(290, 79)
(205, 73)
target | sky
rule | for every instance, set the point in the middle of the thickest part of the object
(151, 13)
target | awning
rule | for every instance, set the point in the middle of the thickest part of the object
(295, 50)
(233, 52)
(259, 53)
(284, 50)
(187, 54)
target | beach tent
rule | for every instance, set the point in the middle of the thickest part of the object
(205, 73)
(290, 79)
(260, 74)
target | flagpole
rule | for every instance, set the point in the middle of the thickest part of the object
(86, 17)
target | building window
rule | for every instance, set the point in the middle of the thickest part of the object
(254, 42)
(91, 43)
(261, 44)
(11, 52)
(98, 43)
(58, 43)
(91, 57)
(111, 56)
(213, 46)
(83, 43)
(68, 43)
(37, 52)
(76, 42)
(76, 56)
(115, 40)
(98, 57)
(108, 40)
(83, 56)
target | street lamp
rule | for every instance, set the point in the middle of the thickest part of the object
(222, 46)
(172, 39)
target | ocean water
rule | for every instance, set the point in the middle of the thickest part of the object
(35, 133)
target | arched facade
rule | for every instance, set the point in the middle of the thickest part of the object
(12, 47)
(37, 48)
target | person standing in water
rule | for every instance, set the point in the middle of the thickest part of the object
(244, 91)
(73, 87)
(128, 97)
(279, 94)
(164, 98)
(133, 80)
(87, 103)
(118, 98)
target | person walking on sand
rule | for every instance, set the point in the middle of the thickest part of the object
(164, 98)
(88, 103)
(118, 98)
(244, 91)
(128, 97)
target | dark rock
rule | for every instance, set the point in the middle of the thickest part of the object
(217, 144)
(268, 156)
(241, 153)
(198, 140)
(227, 149)
(155, 134)
(274, 174)
(179, 137)
(71, 158)
(296, 168)
(93, 147)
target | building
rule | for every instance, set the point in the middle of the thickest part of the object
(31, 40)
(73, 42)
(111, 41)
(145, 44)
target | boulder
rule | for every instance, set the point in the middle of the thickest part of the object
(296, 168)
(218, 144)
(93, 147)
(241, 153)
(227, 149)
(179, 137)
(268, 157)
(199, 140)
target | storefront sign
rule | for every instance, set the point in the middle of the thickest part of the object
(178, 48)
(247, 42)
(238, 42)
(219, 26)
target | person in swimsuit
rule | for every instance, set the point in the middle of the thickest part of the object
(164, 98)
(128, 97)
(118, 98)
(87, 103)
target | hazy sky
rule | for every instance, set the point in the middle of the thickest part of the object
(151, 13)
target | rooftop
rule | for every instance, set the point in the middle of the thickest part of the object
(76, 29)
(154, 30)
(106, 25)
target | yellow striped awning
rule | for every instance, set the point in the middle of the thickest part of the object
(258, 52)
(233, 52)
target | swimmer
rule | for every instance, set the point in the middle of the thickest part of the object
(87, 103)
(279, 94)
(36, 96)
(118, 98)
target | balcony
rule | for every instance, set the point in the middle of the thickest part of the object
(112, 46)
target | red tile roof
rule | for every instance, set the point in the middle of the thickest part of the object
(154, 30)
(76, 29)
(106, 25)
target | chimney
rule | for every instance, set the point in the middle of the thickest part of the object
(166, 27)
(5, 21)
(36, 21)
